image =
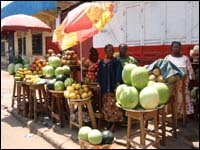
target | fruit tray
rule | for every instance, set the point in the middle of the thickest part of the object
(77, 100)
(86, 145)
(139, 109)
(91, 83)
(53, 91)
(42, 81)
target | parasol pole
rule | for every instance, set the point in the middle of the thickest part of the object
(81, 61)
(22, 45)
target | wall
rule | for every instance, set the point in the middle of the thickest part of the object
(143, 24)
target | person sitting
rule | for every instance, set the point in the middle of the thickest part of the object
(123, 57)
(182, 62)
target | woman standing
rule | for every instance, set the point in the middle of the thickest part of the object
(109, 76)
(123, 57)
(182, 62)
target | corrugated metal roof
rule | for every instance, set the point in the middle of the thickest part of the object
(27, 7)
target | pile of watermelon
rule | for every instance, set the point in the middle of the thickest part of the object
(138, 91)
(94, 136)
(18, 63)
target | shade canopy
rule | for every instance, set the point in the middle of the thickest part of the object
(21, 22)
(82, 23)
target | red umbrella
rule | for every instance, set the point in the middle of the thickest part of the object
(82, 23)
(21, 22)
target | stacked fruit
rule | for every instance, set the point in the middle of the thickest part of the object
(31, 79)
(78, 91)
(70, 58)
(50, 53)
(194, 53)
(21, 74)
(37, 65)
(138, 92)
(92, 73)
(94, 136)
(86, 62)
(156, 76)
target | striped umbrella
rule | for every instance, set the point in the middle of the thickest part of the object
(82, 23)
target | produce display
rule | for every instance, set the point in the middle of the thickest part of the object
(59, 86)
(31, 79)
(17, 66)
(70, 58)
(50, 53)
(78, 91)
(54, 61)
(127, 96)
(37, 65)
(57, 83)
(95, 136)
(92, 73)
(54, 68)
(155, 75)
(11, 68)
(126, 73)
(139, 77)
(195, 53)
(149, 97)
(21, 74)
(141, 89)
(86, 62)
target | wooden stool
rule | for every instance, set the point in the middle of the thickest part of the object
(22, 94)
(97, 104)
(14, 97)
(142, 116)
(57, 104)
(81, 103)
(34, 101)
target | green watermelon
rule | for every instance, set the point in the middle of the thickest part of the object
(108, 137)
(139, 77)
(126, 73)
(149, 97)
(17, 66)
(50, 84)
(95, 137)
(59, 71)
(59, 86)
(61, 77)
(127, 96)
(66, 70)
(163, 92)
(68, 82)
(83, 133)
(11, 68)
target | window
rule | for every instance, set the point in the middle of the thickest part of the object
(37, 44)
(2, 48)
(20, 45)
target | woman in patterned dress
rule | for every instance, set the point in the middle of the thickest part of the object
(109, 76)
(183, 62)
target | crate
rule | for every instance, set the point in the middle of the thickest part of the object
(86, 145)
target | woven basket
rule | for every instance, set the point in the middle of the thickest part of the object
(86, 145)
